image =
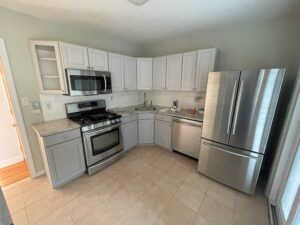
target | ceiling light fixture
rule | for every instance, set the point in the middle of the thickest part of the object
(138, 2)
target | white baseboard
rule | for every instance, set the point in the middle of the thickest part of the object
(7, 162)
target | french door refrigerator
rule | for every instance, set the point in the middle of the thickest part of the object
(239, 111)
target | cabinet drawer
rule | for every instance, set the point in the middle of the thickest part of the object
(61, 137)
(164, 118)
(146, 116)
(129, 118)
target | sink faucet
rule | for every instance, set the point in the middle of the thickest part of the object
(145, 98)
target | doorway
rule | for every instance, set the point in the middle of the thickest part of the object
(13, 165)
(20, 138)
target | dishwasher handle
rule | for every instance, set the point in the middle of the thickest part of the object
(186, 121)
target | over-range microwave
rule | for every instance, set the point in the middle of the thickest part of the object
(88, 82)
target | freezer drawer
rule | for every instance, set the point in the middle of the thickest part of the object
(231, 166)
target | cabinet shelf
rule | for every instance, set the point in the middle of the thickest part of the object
(48, 59)
(50, 76)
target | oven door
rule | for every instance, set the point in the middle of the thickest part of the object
(85, 82)
(102, 143)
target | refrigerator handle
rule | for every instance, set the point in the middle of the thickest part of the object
(237, 107)
(231, 105)
(230, 152)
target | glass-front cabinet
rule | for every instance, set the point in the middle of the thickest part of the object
(48, 67)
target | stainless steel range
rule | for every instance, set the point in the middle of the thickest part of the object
(101, 133)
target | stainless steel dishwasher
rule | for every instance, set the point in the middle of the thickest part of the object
(186, 136)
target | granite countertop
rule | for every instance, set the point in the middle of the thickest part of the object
(125, 111)
(54, 127)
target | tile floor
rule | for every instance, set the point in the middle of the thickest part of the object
(148, 186)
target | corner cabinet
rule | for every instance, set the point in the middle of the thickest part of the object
(144, 73)
(63, 156)
(48, 67)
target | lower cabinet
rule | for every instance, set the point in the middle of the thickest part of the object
(146, 131)
(163, 134)
(66, 161)
(63, 156)
(130, 134)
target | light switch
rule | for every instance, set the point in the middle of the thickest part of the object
(25, 101)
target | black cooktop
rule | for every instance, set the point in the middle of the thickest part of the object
(93, 118)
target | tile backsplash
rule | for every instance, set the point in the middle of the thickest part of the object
(53, 106)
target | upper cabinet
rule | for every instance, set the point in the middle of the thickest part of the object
(116, 69)
(48, 67)
(173, 77)
(75, 56)
(189, 71)
(205, 64)
(98, 59)
(144, 73)
(159, 73)
(185, 72)
(78, 57)
(130, 77)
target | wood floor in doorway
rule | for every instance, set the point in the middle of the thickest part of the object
(13, 173)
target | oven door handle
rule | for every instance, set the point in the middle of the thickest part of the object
(99, 131)
(105, 83)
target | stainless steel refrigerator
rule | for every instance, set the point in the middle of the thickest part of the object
(239, 111)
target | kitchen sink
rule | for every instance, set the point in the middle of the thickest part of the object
(145, 108)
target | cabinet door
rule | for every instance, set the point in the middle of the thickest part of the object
(116, 69)
(144, 73)
(146, 130)
(129, 64)
(66, 161)
(205, 64)
(48, 67)
(189, 71)
(98, 59)
(159, 73)
(163, 134)
(174, 66)
(75, 56)
(129, 134)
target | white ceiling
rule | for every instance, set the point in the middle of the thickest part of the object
(156, 20)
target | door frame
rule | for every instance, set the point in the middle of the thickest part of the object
(9, 82)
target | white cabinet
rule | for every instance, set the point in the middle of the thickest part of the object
(48, 67)
(173, 77)
(146, 128)
(205, 64)
(189, 71)
(75, 56)
(163, 130)
(130, 134)
(116, 69)
(129, 65)
(159, 73)
(79, 57)
(98, 59)
(63, 156)
(163, 134)
(144, 73)
(66, 161)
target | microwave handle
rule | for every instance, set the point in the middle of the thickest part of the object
(105, 84)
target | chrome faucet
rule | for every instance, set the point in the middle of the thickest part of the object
(145, 98)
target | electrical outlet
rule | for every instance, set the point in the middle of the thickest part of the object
(35, 105)
(25, 101)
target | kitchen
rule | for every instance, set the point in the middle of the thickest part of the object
(141, 86)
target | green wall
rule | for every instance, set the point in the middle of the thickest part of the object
(17, 29)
